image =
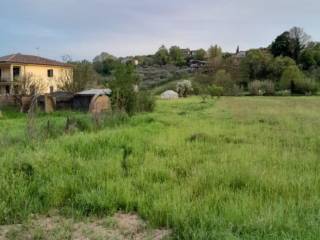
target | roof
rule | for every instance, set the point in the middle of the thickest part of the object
(94, 92)
(30, 59)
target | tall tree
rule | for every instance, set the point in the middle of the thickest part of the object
(162, 56)
(290, 43)
(299, 40)
(200, 54)
(176, 56)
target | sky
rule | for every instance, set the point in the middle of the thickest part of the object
(85, 28)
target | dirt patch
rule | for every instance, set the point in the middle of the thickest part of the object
(119, 227)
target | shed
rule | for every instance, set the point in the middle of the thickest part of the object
(63, 100)
(169, 94)
(82, 100)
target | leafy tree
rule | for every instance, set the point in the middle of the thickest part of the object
(84, 77)
(290, 43)
(176, 56)
(299, 40)
(278, 65)
(256, 64)
(215, 58)
(292, 79)
(162, 56)
(200, 54)
(104, 63)
(105, 67)
(124, 98)
(223, 79)
(214, 52)
(308, 59)
(184, 88)
(281, 45)
(215, 91)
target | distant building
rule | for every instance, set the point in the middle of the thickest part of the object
(132, 60)
(32, 73)
(240, 54)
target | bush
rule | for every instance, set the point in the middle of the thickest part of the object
(294, 80)
(146, 102)
(306, 86)
(283, 93)
(223, 79)
(184, 88)
(261, 88)
(215, 91)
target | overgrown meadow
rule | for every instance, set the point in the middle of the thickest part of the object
(233, 168)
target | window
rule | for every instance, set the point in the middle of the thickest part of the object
(50, 72)
(51, 89)
(0, 74)
(16, 72)
(7, 89)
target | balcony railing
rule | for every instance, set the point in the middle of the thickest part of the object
(5, 80)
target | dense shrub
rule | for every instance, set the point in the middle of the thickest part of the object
(184, 88)
(294, 80)
(223, 79)
(146, 102)
(261, 88)
(215, 91)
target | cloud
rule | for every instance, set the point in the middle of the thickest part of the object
(124, 27)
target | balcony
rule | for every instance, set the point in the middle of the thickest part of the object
(5, 80)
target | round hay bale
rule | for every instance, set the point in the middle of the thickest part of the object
(169, 95)
(100, 104)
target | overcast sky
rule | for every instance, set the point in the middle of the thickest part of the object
(84, 28)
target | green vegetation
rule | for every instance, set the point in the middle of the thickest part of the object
(236, 168)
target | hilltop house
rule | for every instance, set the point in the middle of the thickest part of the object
(27, 74)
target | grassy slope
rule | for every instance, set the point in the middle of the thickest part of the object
(253, 174)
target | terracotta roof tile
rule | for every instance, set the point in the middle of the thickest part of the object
(29, 59)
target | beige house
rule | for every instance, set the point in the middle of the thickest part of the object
(27, 74)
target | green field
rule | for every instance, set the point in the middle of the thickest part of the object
(233, 168)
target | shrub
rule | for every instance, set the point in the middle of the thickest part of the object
(146, 102)
(223, 79)
(283, 93)
(184, 88)
(294, 80)
(215, 91)
(306, 86)
(260, 88)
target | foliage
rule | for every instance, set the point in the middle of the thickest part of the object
(261, 88)
(84, 77)
(162, 56)
(278, 65)
(124, 98)
(184, 88)
(176, 56)
(146, 102)
(294, 80)
(105, 64)
(256, 64)
(215, 91)
(204, 170)
(200, 54)
(223, 79)
(290, 77)
(290, 43)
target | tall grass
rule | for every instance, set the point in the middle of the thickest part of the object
(236, 168)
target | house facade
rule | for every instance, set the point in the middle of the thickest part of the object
(27, 74)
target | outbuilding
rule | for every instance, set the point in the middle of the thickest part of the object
(82, 100)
